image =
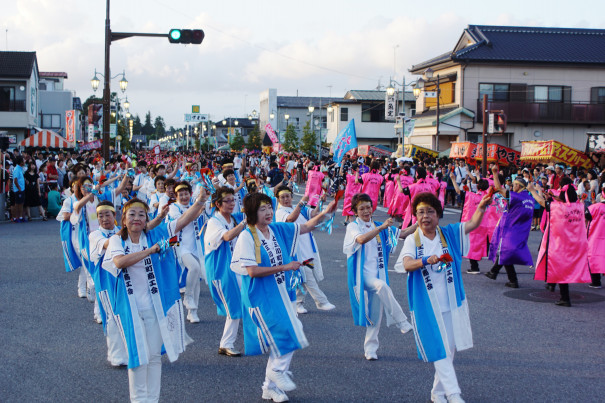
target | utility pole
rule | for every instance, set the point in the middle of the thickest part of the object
(484, 138)
(106, 87)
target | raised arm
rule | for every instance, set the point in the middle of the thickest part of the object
(453, 177)
(310, 225)
(536, 195)
(497, 184)
(192, 212)
(124, 261)
(368, 236)
(293, 216)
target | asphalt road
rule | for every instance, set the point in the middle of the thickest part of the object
(526, 350)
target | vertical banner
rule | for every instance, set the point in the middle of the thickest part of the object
(390, 106)
(345, 141)
(91, 132)
(271, 133)
(409, 128)
(70, 126)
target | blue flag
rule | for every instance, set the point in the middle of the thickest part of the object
(345, 141)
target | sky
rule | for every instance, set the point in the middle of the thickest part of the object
(305, 48)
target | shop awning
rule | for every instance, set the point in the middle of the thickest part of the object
(46, 138)
(553, 151)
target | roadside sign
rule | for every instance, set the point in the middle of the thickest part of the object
(195, 109)
(430, 94)
(196, 117)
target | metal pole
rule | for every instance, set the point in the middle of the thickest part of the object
(484, 138)
(106, 87)
(319, 136)
(437, 122)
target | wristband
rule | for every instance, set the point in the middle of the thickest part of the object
(425, 260)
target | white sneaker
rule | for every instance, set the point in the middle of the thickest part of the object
(326, 307)
(81, 293)
(192, 316)
(405, 326)
(98, 319)
(455, 398)
(301, 309)
(281, 379)
(275, 394)
(371, 356)
(90, 294)
(438, 398)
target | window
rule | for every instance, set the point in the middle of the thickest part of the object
(550, 93)
(495, 92)
(597, 95)
(51, 121)
(372, 112)
(344, 114)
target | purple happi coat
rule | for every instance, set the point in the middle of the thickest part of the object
(509, 243)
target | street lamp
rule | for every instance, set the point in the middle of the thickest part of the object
(94, 82)
(126, 104)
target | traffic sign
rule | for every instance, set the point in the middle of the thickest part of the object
(195, 109)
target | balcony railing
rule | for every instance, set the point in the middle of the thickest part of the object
(12, 106)
(548, 112)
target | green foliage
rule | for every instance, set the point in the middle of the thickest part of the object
(309, 140)
(196, 144)
(237, 142)
(291, 142)
(137, 127)
(206, 145)
(160, 127)
(254, 140)
(91, 100)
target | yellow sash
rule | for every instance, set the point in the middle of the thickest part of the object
(257, 244)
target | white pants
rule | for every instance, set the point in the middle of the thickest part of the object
(116, 350)
(144, 381)
(194, 273)
(229, 333)
(277, 364)
(389, 304)
(445, 382)
(312, 288)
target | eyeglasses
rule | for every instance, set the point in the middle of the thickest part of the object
(228, 201)
(426, 212)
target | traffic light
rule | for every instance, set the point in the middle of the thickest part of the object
(499, 122)
(185, 36)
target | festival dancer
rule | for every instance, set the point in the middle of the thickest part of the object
(559, 260)
(239, 188)
(401, 201)
(367, 248)
(371, 182)
(84, 219)
(263, 256)
(307, 249)
(220, 236)
(145, 295)
(480, 237)
(596, 241)
(353, 187)
(314, 184)
(433, 259)
(189, 249)
(509, 241)
(389, 187)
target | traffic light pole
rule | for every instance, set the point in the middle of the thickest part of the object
(110, 37)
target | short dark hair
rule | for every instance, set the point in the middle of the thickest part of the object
(184, 184)
(280, 188)
(159, 178)
(359, 198)
(483, 184)
(228, 172)
(420, 173)
(170, 182)
(219, 195)
(142, 163)
(427, 198)
(252, 203)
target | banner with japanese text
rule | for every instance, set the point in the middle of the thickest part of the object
(554, 151)
(271, 133)
(70, 126)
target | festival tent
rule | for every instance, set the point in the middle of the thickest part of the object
(46, 138)
(411, 150)
(554, 151)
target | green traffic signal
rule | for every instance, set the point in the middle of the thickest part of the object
(174, 35)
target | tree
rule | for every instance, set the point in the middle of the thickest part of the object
(91, 100)
(309, 139)
(237, 142)
(254, 140)
(291, 143)
(160, 127)
(137, 127)
(147, 129)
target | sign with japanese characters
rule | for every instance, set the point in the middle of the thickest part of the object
(390, 107)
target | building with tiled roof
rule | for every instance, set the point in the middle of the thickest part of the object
(549, 82)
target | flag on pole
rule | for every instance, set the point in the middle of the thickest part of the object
(345, 141)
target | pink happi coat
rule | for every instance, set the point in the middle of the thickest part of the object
(352, 188)
(442, 190)
(314, 189)
(563, 252)
(371, 186)
(389, 190)
(482, 235)
(421, 186)
(400, 201)
(596, 238)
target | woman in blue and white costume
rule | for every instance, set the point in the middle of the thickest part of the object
(239, 187)
(307, 249)
(436, 292)
(220, 236)
(367, 248)
(69, 238)
(189, 249)
(145, 297)
(263, 257)
(84, 218)
(153, 200)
